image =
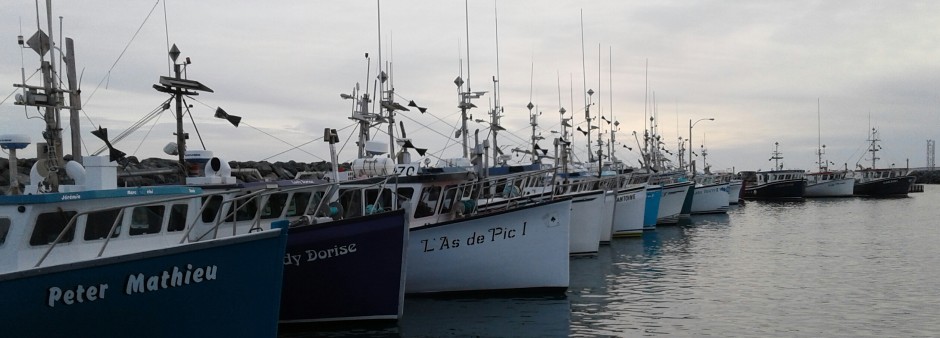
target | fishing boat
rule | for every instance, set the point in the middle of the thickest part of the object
(472, 234)
(774, 184)
(735, 186)
(75, 248)
(874, 181)
(352, 265)
(710, 195)
(587, 203)
(94, 252)
(675, 188)
(654, 194)
(825, 182)
(630, 208)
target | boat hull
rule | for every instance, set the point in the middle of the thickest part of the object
(654, 194)
(587, 210)
(670, 204)
(607, 224)
(629, 211)
(784, 189)
(734, 191)
(895, 186)
(710, 199)
(687, 204)
(351, 269)
(831, 188)
(522, 248)
(194, 289)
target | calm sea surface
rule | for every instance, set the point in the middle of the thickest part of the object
(848, 267)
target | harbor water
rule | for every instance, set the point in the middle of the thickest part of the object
(845, 267)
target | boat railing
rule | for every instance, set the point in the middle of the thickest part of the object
(503, 192)
(118, 218)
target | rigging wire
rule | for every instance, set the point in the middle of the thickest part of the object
(166, 29)
(145, 119)
(186, 104)
(108, 76)
(264, 132)
(306, 143)
(154, 124)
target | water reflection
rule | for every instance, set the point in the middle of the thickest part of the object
(519, 316)
(467, 317)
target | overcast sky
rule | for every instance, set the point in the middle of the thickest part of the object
(757, 67)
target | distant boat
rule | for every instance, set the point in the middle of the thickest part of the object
(735, 187)
(631, 205)
(829, 184)
(675, 189)
(881, 182)
(826, 183)
(710, 195)
(774, 184)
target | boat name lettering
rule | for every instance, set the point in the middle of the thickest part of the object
(406, 169)
(71, 197)
(319, 254)
(494, 234)
(629, 197)
(141, 283)
(705, 191)
(80, 294)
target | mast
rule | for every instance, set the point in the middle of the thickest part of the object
(177, 86)
(360, 111)
(873, 147)
(610, 107)
(382, 93)
(820, 148)
(777, 156)
(600, 112)
(494, 118)
(75, 101)
(533, 116)
(588, 94)
(463, 111)
(49, 97)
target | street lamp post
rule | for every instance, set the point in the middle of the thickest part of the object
(690, 140)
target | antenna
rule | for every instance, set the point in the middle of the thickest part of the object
(494, 125)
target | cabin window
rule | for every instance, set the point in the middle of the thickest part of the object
(177, 221)
(351, 200)
(97, 224)
(376, 202)
(427, 202)
(298, 204)
(212, 205)
(448, 201)
(500, 187)
(315, 206)
(146, 220)
(4, 228)
(245, 210)
(275, 206)
(404, 195)
(49, 225)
